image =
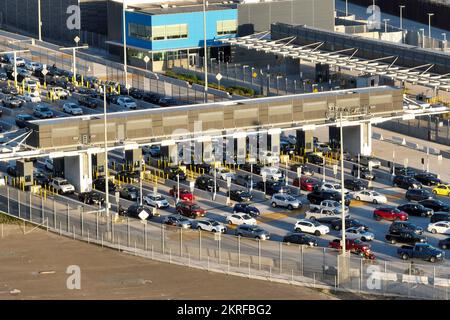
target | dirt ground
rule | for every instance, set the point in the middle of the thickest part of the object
(33, 266)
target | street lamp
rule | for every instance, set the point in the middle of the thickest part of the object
(444, 43)
(124, 36)
(39, 21)
(342, 185)
(106, 154)
(76, 39)
(429, 24)
(205, 51)
(346, 8)
(401, 16)
(178, 187)
(423, 37)
(385, 24)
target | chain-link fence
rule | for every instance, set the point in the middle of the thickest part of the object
(276, 261)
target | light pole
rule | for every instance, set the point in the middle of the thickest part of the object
(346, 8)
(385, 24)
(401, 16)
(278, 85)
(323, 165)
(205, 51)
(77, 39)
(178, 187)
(359, 166)
(444, 44)
(423, 37)
(429, 24)
(124, 36)
(243, 72)
(342, 186)
(106, 154)
(39, 21)
(286, 173)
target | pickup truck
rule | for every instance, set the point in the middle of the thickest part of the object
(62, 186)
(329, 204)
(323, 215)
(422, 251)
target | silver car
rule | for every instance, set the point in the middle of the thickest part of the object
(178, 221)
(250, 231)
(285, 200)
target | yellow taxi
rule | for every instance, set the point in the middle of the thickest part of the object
(442, 190)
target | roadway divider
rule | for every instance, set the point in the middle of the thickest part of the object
(377, 136)
(414, 279)
(441, 282)
(398, 140)
(412, 145)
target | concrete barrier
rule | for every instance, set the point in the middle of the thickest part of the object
(414, 279)
(385, 276)
(412, 145)
(377, 136)
(398, 140)
(441, 282)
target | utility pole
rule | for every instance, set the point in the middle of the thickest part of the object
(342, 185)
(205, 52)
(74, 50)
(429, 24)
(106, 157)
(124, 36)
(39, 21)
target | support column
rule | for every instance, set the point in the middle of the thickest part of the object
(241, 149)
(208, 152)
(80, 173)
(133, 158)
(170, 153)
(357, 139)
(305, 141)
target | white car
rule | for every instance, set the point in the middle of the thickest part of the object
(62, 185)
(369, 196)
(32, 97)
(331, 205)
(127, 103)
(359, 233)
(439, 227)
(240, 218)
(32, 65)
(72, 108)
(272, 173)
(31, 84)
(157, 201)
(309, 226)
(48, 163)
(328, 186)
(210, 225)
(222, 173)
(60, 92)
(269, 157)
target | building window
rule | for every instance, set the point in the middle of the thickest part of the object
(226, 27)
(139, 31)
(172, 31)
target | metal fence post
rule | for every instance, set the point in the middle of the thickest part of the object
(145, 236)
(200, 244)
(360, 274)
(218, 244)
(281, 257)
(7, 195)
(128, 232)
(42, 210)
(239, 251)
(162, 238)
(68, 226)
(81, 208)
(96, 225)
(259, 254)
(18, 200)
(29, 204)
(301, 257)
(54, 213)
(181, 242)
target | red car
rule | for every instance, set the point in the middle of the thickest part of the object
(306, 183)
(354, 245)
(389, 213)
(185, 195)
(190, 209)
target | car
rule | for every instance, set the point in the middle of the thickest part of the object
(442, 227)
(406, 182)
(328, 186)
(272, 173)
(155, 200)
(245, 180)
(389, 213)
(72, 108)
(331, 205)
(153, 150)
(166, 102)
(178, 221)
(415, 209)
(402, 226)
(336, 224)
(13, 102)
(3, 76)
(428, 179)
(418, 195)
(354, 184)
(41, 179)
(405, 171)
(87, 102)
(440, 216)
(134, 211)
(240, 218)
(128, 176)
(100, 184)
(61, 93)
(369, 196)
(222, 173)
(285, 200)
(253, 168)
(314, 159)
(359, 233)
(61, 185)
(369, 161)
(324, 215)
(12, 171)
(184, 194)
(304, 169)
(129, 192)
(444, 244)
(48, 164)
(317, 196)
(306, 183)
(30, 85)
(435, 204)
(210, 225)
(10, 90)
(32, 97)
(353, 245)
(206, 183)
(150, 97)
(172, 172)
(127, 103)
(364, 172)
(423, 251)
(32, 65)
(91, 197)
(136, 93)
(407, 236)
(300, 238)
(310, 226)
(271, 187)
(442, 190)
(189, 209)
(246, 208)
(42, 112)
(240, 196)
(252, 231)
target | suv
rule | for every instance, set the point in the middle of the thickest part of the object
(87, 102)
(91, 197)
(100, 184)
(427, 178)
(13, 102)
(42, 112)
(402, 226)
(189, 209)
(354, 184)
(272, 187)
(418, 195)
(172, 172)
(314, 159)
(364, 172)
(415, 209)
(389, 213)
(317, 196)
(246, 208)
(206, 183)
(435, 205)
(134, 210)
(62, 185)
(406, 182)
(245, 181)
(245, 230)
(285, 200)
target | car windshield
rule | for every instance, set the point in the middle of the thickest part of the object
(158, 198)
(127, 100)
(376, 194)
(64, 182)
(315, 223)
(395, 211)
(183, 219)
(195, 207)
(44, 109)
(289, 198)
(215, 223)
(246, 217)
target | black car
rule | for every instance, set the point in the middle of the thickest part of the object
(245, 180)
(240, 196)
(22, 119)
(100, 184)
(201, 168)
(167, 102)
(435, 205)
(3, 76)
(444, 244)
(404, 226)
(41, 179)
(406, 182)
(136, 93)
(336, 224)
(305, 170)
(91, 197)
(112, 97)
(364, 172)
(317, 196)
(130, 193)
(246, 208)
(300, 238)
(12, 171)
(418, 195)
(172, 172)
(405, 237)
(134, 210)
(440, 216)
(13, 102)
(427, 178)
(272, 187)
(415, 209)
(314, 158)
(150, 97)
(402, 171)
(10, 90)
(87, 102)
(255, 168)
(206, 183)
(128, 176)
(354, 184)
